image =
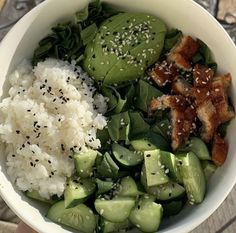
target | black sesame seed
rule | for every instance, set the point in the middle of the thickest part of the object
(153, 173)
(17, 131)
(148, 155)
(170, 195)
(28, 142)
(49, 161)
(70, 157)
(28, 137)
(28, 110)
(50, 176)
(94, 56)
(36, 160)
(52, 173)
(23, 146)
(138, 206)
(45, 80)
(13, 156)
(31, 164)
(149, 145)
(62, 147)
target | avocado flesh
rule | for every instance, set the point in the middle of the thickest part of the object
(125, 45)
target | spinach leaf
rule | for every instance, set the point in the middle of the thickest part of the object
(119, 127)
(163, 128)
(67, 41)
(144, 93)
(137, 124)
(204, 56)
(172, 37)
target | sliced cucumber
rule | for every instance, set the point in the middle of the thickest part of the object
(84, 163)
(150, 141)
(115, 210)
(77, 191)
(197, 146)
(80, 217)
(36, 196)
(193, 177)
(155, 174)
(108, 168)
(104, 186)
(109, 227)
(126, 157)
(169, 161)
(128, 187)
(209, 169)
(172, 208)
(167, 191)
(146, 215)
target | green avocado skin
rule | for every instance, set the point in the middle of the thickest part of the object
(125, 45)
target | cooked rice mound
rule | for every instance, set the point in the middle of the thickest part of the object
(52, 112)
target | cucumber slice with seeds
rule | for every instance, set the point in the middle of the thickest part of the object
(198, 147)
(115, 210)
(146, 215)
(77, 191)
(150, 141)
(193, 177)
(104, 186)
(36, 196)
(128, 187)
(169, 160)
(209, 169)
(80, 217)
(167, 191)
(155, 174)
(108, 168)
(84, 163)
(108, 227)
(126, 157)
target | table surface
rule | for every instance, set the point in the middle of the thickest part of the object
(224, 219)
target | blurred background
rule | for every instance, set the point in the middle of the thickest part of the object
(224, 219)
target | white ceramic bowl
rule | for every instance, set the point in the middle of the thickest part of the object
(183, 14)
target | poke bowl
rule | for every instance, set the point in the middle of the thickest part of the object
(117, 116)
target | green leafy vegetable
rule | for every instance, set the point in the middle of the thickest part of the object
(68, 40)
(172, 37)
(204, 56)
(137, 124)
(163, 128)
(144, 93)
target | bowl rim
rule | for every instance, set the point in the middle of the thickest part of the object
(188, 227)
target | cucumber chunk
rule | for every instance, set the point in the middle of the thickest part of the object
(172, 208)
(167, 191)
(108, 227)
(209, 169)
(104, 186)
(198, 147)
(126, 157)
(155, 174)
(80, 217)
(84, 163)
(193, 177)
(77, 191)
(36, 196)
(169, 160)
(108, 168)
(115, 210)
(128, 187)
(149, 141)
(146, 215)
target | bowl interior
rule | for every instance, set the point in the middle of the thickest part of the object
(182, 14)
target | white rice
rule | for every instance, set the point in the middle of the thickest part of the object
(49, 115)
